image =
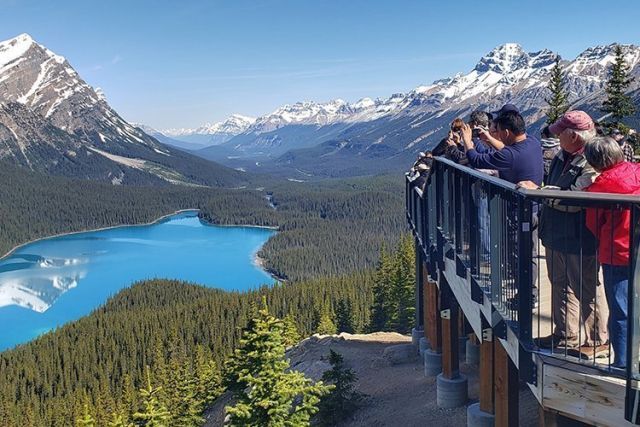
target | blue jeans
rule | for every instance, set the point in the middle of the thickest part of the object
(616, 285)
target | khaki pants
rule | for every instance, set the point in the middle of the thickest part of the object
(578, 302)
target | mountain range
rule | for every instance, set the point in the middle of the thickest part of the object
(52, 121)
(338, 138)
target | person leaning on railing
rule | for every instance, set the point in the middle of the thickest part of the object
(570, 247)
(611, 227)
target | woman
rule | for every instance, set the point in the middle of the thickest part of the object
(611, 228)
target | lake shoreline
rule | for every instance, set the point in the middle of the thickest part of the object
(154, 222)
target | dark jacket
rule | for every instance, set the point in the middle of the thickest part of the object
(518, 162)
(562, 226)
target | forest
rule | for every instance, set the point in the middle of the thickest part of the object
(325, 228)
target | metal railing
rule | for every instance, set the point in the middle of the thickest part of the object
(511, 246)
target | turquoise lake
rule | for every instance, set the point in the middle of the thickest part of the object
(50, 282)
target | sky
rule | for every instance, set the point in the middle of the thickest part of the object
(185, 63)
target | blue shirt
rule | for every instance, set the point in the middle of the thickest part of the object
(521, 161)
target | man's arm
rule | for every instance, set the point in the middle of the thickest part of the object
(499, 160)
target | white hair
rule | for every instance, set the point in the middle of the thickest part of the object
(602, 152)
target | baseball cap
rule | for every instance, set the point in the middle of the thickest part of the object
(505, 109)
(576, 120)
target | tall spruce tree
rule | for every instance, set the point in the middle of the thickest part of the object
(344, 316)
(558, 101)
(153, 413)
(87, 419)
(381, 293)
(291, 333)
(344, 399)
(618, 104)
(265, 391)
(404, 286)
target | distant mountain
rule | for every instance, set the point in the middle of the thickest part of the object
(167, 140)
(212, 134)
(53, 121)
(338, 138)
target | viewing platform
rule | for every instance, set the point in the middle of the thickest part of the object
(483, 273)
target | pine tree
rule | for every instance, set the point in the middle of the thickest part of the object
(381, 289)
(344, 399)
(403, 287)
(325, 324)
(209, 382)
(119, 420)
(618, 103)
(291, 333)
(266, 392)
(87, 419)
(153, 414)
(558, 101)
(344, 317)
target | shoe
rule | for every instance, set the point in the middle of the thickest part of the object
(590, 352)
(512, 303)
(553, 341)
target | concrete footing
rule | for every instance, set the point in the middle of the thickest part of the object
(478, 418)
(451, 393)
(472, 353)
(432, 363)
(423, 346)
(416, 334)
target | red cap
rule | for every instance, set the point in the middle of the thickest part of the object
(576, 120)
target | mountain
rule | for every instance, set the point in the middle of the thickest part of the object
(338, 138)
(167, 140)
(53, 121)
(215, 134)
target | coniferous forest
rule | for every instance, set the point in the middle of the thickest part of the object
(157, 349)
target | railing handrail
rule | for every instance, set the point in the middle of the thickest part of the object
(542, 193)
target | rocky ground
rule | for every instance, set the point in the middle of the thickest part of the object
(399, 393)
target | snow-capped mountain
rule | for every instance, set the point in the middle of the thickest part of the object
(212, 134)
(405, 123)
(52, 120)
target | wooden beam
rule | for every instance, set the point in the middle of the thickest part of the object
(449, 314)
(432, 322)
(506, 387)
(485, 372)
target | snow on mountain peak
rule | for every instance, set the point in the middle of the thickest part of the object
(503, 59)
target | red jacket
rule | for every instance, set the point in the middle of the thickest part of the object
(610, 225)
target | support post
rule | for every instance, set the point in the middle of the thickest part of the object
(486, 372)
(432, 322)
(506, 387)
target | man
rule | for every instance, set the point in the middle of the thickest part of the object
(621, 139)
(576, 295)
(480, 122)
(519, 160)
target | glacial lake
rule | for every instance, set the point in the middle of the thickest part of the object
(50, 282)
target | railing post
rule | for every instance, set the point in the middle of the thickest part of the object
(495, 225)
(632, 399)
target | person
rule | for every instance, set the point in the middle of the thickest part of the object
(455, 150)
(550, 147)
(621, 139)
(570, 247)
(611, 226)
(519, 160)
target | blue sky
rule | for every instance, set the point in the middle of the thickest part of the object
(183, 63)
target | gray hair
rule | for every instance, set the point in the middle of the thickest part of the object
(479, 118)
(602, 152)
(585, 135)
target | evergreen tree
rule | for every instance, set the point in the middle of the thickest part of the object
(618, 103)
(153, 414)
(119, 420)
(344, 317)
(558, 101)
(344, 399)
(87, 419)
(209, 382)
(325, 325)
(381, 293)
(291, 333)
(266, 392)
(404, 287)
